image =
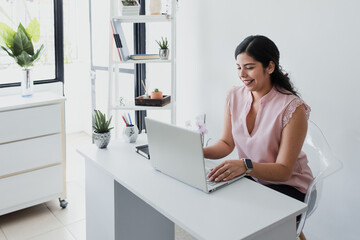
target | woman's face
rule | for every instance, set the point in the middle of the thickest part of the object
(251, 72)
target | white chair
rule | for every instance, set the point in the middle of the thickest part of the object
(322, 163)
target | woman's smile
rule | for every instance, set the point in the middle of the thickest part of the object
(248, 82)
(255, 77)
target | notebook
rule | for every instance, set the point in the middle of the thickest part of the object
(143, 150)
(178, 153)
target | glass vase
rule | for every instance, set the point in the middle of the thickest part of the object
(27, 88)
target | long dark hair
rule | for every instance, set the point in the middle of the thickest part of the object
(263, 50)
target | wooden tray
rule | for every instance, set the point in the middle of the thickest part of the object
(143, 101)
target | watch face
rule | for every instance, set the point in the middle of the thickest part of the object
(248, 164)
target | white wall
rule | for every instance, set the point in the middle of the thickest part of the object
(318, 45)
(318, 42)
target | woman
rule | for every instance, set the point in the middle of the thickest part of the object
(267, 123)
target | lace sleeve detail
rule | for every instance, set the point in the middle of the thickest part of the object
(290, 109)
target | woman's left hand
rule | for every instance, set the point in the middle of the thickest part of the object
(227, 170)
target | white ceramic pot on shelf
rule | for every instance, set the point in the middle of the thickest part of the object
(133, 8)
(164, 54)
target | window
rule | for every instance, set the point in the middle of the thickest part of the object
(49, 13)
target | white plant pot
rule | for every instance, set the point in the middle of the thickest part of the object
(131, 133)
(101, 139)
(164, 54)
(129, 10)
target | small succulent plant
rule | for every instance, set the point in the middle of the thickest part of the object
(163, 44)
(156, 90)
(129, 2)
(101, 124)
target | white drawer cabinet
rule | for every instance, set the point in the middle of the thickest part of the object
(32, 150)
(34, 186)
(30, 154)
(30, 122)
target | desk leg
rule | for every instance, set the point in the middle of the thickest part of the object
(135, 219)
(100, 222)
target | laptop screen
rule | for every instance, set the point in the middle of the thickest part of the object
(177, 152)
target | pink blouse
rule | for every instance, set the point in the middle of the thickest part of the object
(262, 145)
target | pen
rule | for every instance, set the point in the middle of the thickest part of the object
(130, 119)
(124, 120)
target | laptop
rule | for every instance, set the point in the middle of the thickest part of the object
(178, 153)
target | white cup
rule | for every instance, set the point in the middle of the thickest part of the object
(131, 133)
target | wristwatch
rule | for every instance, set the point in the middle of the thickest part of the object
(248, 165)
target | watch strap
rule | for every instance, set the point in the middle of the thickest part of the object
(248, 166)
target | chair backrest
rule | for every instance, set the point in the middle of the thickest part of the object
(322, 163)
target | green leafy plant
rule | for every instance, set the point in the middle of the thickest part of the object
(156, 90)
(19, 44)
(101, 124)
(129, 2)
(163, 44)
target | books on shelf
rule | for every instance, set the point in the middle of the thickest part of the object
(112, 28)
(144, 56)
(120, 41)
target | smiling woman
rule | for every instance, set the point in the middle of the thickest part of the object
(49, 68)
(266, 122)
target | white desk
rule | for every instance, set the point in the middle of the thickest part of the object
(127, 199)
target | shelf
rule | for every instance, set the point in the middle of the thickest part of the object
(117, 68)
(143, 18)
(138, 108)
(144, 61)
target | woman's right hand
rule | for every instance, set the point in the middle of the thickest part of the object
(227, 170)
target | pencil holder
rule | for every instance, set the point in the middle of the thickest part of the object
(131, 133)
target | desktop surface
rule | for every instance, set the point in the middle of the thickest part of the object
(242, 210)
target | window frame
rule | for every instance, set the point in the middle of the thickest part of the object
(140, 69)
(59, 49)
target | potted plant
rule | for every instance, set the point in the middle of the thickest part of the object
(156, 94)
(101, 133)
(129, 7)
(164, 50)
(19, 45)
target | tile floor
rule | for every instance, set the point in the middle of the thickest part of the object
(48, 221)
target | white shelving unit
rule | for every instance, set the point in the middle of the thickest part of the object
(115, 65)
(139, 108)
(144, 18)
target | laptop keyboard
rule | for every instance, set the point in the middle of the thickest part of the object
(211, 183)
(208, 182)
